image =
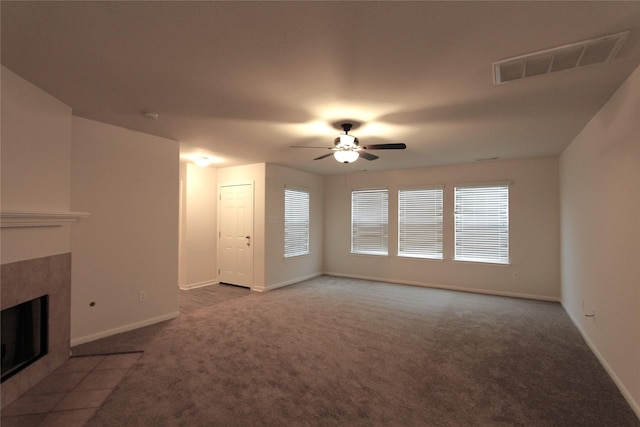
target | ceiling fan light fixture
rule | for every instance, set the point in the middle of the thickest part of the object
(347, 149)
(346, 156)
(347, 140)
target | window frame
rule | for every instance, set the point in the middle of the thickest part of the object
(363, 236)
(484, 227)
(427, 222)
(299, 230)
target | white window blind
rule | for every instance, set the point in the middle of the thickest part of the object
(482, 223)
(296, 222)
(369, 222)
(420, 223)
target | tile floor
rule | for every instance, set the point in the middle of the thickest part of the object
(71, 394)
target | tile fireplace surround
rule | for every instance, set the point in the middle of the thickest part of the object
(23, 281)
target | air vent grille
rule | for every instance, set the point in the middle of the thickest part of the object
(575, 55)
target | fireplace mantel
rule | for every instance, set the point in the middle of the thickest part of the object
(15, 219)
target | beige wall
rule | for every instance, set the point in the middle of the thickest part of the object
(270, 269)
(198, 234)
(35, 176)
(534, 229)
(599, 181)
(35, 166)
(282, 271)
(128, 182)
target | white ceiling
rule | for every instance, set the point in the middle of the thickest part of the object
(245, 80)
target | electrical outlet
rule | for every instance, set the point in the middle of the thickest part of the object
(142, 296)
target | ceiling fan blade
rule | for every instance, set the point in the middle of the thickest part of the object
(308, 146)
(322, 157)
(392, 146)
(368, 156)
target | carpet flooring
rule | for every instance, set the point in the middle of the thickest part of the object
(333, 351)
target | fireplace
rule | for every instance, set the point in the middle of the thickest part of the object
(47, 279)
(24, 335)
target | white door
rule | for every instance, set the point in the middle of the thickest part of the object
(235, 213)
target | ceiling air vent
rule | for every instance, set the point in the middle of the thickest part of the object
(575, 55)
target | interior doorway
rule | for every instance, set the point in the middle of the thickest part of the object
(235, 235)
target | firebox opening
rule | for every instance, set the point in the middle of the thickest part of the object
(24, 335)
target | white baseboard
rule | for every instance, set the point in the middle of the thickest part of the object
(448, 287)
(628, 397)
(287, 283)
(124, 328)
(198, 285)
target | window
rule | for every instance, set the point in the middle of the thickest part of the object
(296, 222)
(482, 223)
(369, 222)
(420, 223)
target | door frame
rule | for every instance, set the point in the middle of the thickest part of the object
(253, 209)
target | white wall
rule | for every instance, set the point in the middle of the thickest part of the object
(270, 269)
(282, 271)
(534, 229)
(35, 155)
(35, 166)
(128, 182)
(198, 240)
(254, 174)
(600, 207)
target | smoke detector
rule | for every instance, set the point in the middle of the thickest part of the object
(152, 115)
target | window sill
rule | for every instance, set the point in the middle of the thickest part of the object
(375, 255)
(486, 263)
(297, 256)
(420, 258)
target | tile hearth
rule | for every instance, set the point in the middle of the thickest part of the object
(71, 394)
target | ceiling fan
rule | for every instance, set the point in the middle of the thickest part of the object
(347, 148)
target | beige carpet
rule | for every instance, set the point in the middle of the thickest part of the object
(333, 351)
(192, 300)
